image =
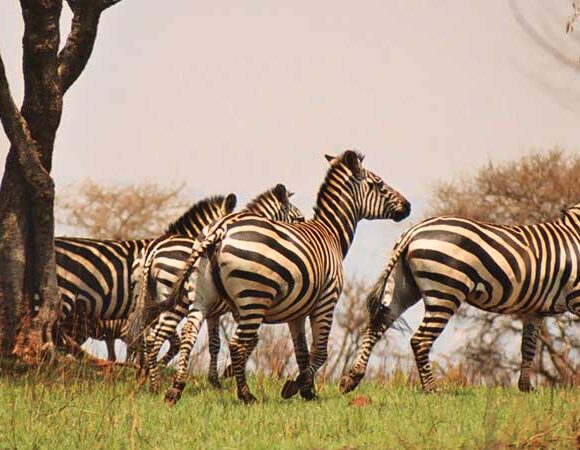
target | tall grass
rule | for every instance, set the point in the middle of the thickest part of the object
(78, 408)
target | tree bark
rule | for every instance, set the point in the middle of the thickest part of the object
(27, 261)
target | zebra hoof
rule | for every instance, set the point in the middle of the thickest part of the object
(154, 388)
(348, 384)
(525, 386)
(172, 396)
(308, 393)
(228, 372)
(290, 389)
(248, 398)
(215, 383)
(431, 390)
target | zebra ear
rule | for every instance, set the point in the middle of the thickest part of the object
(331, 159)
(230, 202)
(281, 193)
(353, 162)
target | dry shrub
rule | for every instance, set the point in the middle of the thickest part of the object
(119, 211)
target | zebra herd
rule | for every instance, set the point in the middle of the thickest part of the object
(267, 264)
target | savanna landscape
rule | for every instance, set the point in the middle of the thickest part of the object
(301, 226)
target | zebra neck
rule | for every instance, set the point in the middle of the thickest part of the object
(335, 208)
(262, 210)
(573, 225)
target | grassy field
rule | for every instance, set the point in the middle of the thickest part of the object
(60, 410)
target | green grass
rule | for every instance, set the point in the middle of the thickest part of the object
(56, 410)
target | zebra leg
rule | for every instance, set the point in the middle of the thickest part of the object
(372, 335)
(321, 323)
(243, 343)
(213, 332)
(110, 342)
(155, 340)
(165, 328)
(188, 337)
(400, 294)
(152, 345)
(240, 351)
(174, 342)
(302, 356)
(141, 354)
(438, 311)
(531, 325)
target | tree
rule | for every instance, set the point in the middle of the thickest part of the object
(119, 212)
(555, 37)
(532, 189)
(27, 191)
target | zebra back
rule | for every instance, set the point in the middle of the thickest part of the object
(201, 214)
(273, 204)
(94, 276)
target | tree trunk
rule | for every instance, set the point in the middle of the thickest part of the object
(27, 259)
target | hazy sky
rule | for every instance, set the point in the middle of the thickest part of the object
(237, 96)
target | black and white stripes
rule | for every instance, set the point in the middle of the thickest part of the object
(165, 258)
(277, 272)
(532, 271)
(94, 276)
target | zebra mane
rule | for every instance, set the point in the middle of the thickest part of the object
(190, 219)
(257, 203)
(336, 164)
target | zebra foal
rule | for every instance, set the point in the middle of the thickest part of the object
(532, 271)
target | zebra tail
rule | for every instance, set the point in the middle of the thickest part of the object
(200, 248)
(136, 320)
(377, 292)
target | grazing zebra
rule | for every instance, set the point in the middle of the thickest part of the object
(165, 258)
(94, 276)
(102, 330)
(276, 272)
(532, 271)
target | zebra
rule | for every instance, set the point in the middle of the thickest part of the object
(164, 259)
(95, 275)
(277, 272)
(103, 330)
(532, 271)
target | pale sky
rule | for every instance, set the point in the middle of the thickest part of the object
(238, 96)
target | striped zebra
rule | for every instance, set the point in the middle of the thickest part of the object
(94, 276)
(102, 330)
(276, 272)
(165, 258)
(532, 271)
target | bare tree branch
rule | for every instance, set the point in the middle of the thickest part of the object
(533, 33)
(16, 129)
(77, 50)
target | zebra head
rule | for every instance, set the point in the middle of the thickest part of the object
(373, 198)
(275, 205)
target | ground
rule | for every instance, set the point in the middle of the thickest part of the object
(68, 409)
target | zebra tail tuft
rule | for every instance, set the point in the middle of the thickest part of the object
(377, 292)
(401, 325)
